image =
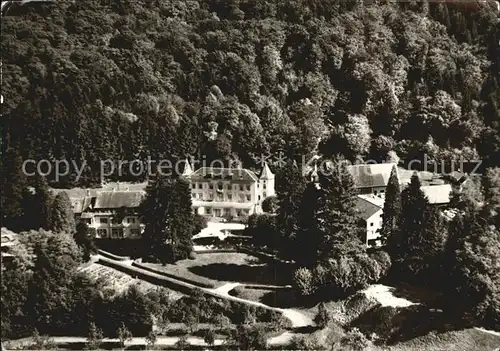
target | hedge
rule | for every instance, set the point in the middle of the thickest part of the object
(112, 256)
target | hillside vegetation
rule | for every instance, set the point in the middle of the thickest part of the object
(122, 79)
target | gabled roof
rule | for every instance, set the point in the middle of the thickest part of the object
(187, 169)
(216, 173)
(266, 172)
(118, 199)
(437, 194)
(371, 175)
(366, 207)
(425, 177)
(80, 204)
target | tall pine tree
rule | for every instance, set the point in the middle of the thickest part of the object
(62, 218)
(329, 223)
(289, 188)
(392, 206)
(417, 245)
(14, 191)
(473, 269)
(40, 204)
(410, 221)
(169, 219)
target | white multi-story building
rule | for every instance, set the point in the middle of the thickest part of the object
(229, 192)
(216, 192)
(370, 209)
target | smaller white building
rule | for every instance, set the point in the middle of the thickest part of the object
(370, 209)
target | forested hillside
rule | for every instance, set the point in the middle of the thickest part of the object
(110, 79)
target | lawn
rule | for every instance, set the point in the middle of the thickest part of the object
(220, 268)
(281, 298)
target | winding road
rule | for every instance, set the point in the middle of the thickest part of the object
(297, 319)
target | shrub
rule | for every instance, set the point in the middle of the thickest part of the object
(151, 340)
(250, 337)
(358, 304)
(384, 261)
(192, 255)
(278, 321)
(222, 322)
(209, 336)
(322, 318)
(249, 315)
(354, 340)
(124, 335)
(304, 343)
(94, 337)
(304, 281)
(182, 343)
(192, 318)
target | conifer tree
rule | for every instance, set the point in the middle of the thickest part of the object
(472, 268)
(41, 203)
(425, 248)
(84, 240)
(392, 206)
(62, 218)
(329, 225)
(169, 219)
(14, 191)
(290, 187)
(411, 219)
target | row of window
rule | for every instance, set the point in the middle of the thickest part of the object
(107, 220)
(221, 186)
(116, 233)
(220, 212)
(220, 197)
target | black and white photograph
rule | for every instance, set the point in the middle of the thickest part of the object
(250, 175)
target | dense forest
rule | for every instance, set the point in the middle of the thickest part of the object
(122, 79)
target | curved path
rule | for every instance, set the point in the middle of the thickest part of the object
(140, 341)
(297, 318)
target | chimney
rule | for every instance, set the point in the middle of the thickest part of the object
(88, 193)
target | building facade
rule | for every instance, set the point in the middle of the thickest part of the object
(215, 192)
(370, 209)
(229, 192)
(111, 214)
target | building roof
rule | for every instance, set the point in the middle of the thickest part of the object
(437, 194)
(371, 175)
(424, 176)
(117, 186)
(80, 204)
(118, 199)
(187, 169)
(216, 173)
(266, 172)
(9, 238)
(366, 208)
